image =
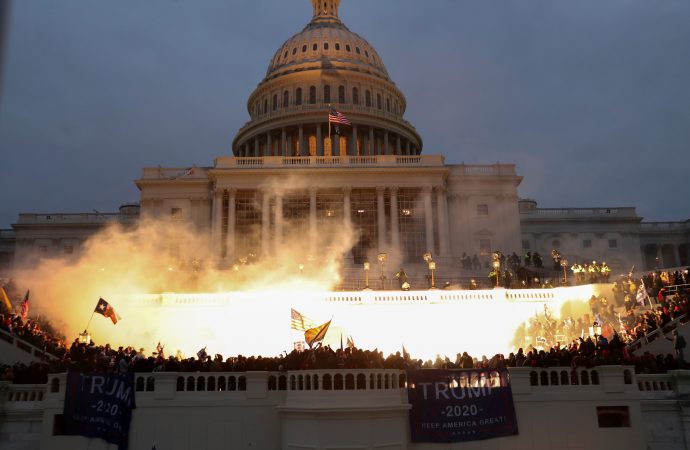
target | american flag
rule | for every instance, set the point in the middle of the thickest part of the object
(300, 322)
(337, 117)
(25, 306)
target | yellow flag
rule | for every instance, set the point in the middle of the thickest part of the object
(316, 334)
(5, 300)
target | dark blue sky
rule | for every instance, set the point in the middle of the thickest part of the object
(590, 99)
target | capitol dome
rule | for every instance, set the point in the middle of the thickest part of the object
(326, 66)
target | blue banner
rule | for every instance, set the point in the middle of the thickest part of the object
(460, 405)
(99, 406)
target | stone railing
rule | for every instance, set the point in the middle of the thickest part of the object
(272, 162)
(23, 346)
(656, 383)
(658, 333)
(580, 212)
(664, 226)
(76, 219)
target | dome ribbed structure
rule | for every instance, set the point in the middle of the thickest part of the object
(326, 66)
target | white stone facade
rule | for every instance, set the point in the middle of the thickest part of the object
(359, 409)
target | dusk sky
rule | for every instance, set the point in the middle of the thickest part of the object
(590, 99)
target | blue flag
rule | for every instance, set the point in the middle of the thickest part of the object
(99, 406)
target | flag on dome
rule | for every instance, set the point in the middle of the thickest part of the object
(106, 310)
(299, 321)
(316, 334)
(350, 342)
(201, 354)
(337, 117)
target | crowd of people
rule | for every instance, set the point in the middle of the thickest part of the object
(601, 336)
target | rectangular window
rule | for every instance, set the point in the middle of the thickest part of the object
(484, 247)
(587, 243)
(613, 243)
(176, 213)
(483, 210)
(525, 245)
(613, 416)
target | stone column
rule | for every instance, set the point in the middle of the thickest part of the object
(353, 143)
(443, 230)
(395, 218)
(408, 150)
(312, 221)
(371, 141)
(230, 241)
(386, 150)
(428, 219)
(283, 143)
(269, 147)
(319, 140)
(381, 216)
(256, 145)
(278, 223)
(302, 150)
(217, 221)
(398, 147)
(265, 223)
(335, 144)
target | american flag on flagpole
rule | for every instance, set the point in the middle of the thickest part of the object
(337, 117)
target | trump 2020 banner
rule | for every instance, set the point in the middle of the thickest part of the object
(99, 406)
(460, 405)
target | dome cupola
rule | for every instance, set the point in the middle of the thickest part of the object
(326, 66)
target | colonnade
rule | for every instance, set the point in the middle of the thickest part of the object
(223, 229)
(300, 140)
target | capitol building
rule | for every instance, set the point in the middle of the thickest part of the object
(293, 174)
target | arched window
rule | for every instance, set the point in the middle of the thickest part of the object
(366, 53)
(325, 45)
(275, 102)
(341, 94)
(347, 47)
(326, 94)
(298, 96)
(285, 55)
(367, 98)
(355, 96)
(357, 50)
(304, 48)
(286, 99)
(265, 105)
(378, 101)
(388, 105)
(337, 46)
(315, 47)
(312, 94)
(294, 50)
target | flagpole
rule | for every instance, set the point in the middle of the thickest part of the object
(329, 127)
(91, 318)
